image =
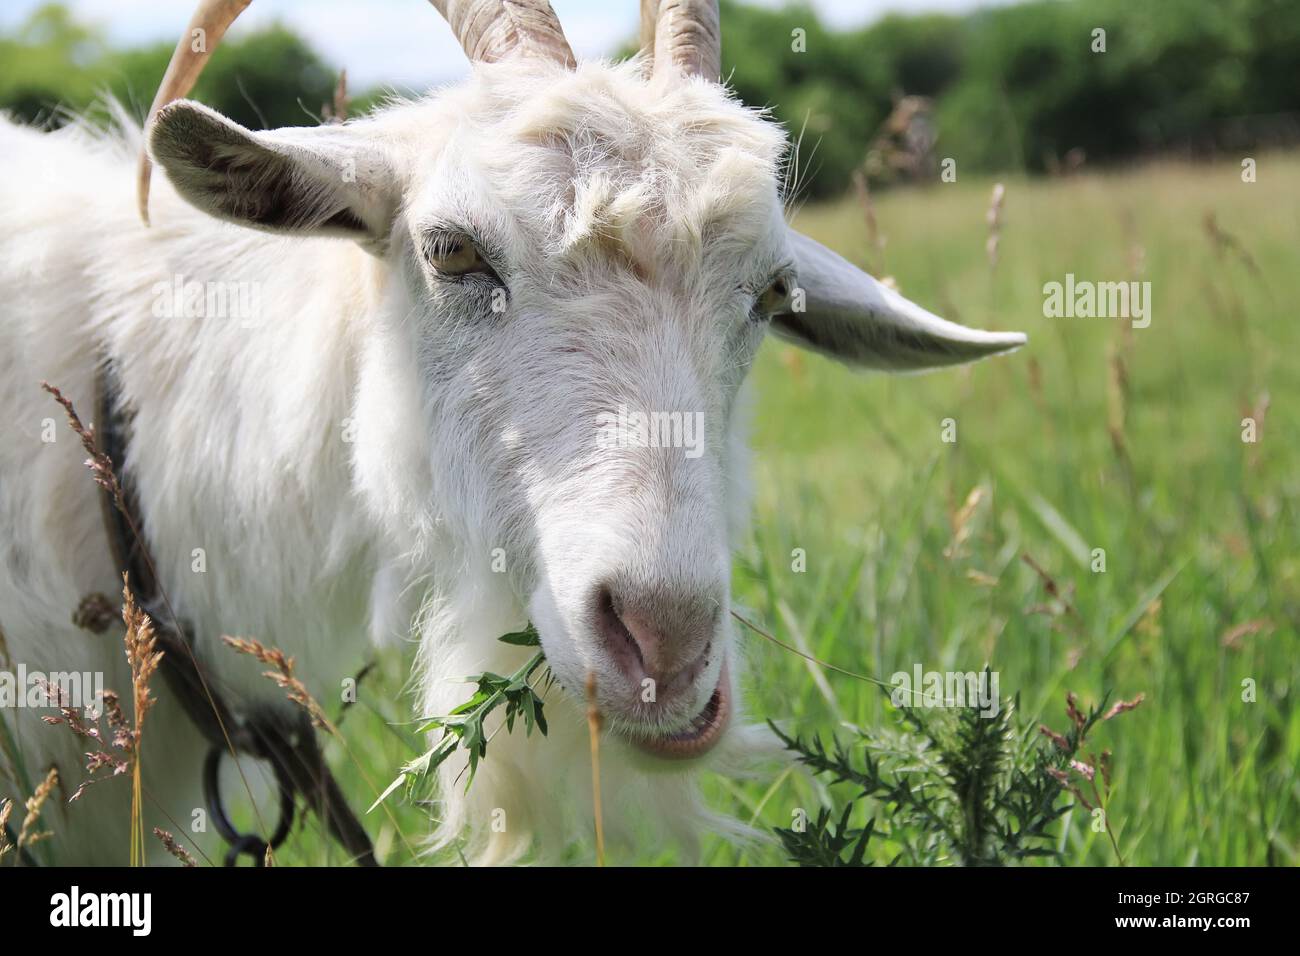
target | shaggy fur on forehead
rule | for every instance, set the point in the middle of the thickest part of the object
(603, 162)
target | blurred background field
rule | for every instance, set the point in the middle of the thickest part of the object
(1095, 436)
(1118, 166)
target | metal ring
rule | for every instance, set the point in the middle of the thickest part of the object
(247, 845)
(244, 843)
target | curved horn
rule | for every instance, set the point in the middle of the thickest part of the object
(487, 29)
(491, 30)
(207, 27)
(683, 34)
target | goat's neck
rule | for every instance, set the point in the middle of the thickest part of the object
(242, 453)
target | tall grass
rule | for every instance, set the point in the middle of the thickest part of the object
(1095, 436)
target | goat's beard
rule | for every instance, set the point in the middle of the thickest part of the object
(531, 797)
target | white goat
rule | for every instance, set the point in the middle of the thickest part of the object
(399, 435)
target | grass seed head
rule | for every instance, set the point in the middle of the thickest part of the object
(174, 848)
(28, 834)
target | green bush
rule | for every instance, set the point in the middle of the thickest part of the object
(54, 65)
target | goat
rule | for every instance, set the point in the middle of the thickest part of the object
(399, 437)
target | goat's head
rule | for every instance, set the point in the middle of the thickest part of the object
(589, 257)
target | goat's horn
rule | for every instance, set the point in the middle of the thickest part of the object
(487, 29)
(683, 34)
(491, 30)
(207, 27)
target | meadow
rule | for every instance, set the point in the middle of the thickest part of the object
(877, 545)
(1097, 435)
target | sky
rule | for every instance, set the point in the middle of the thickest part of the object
(359, 34)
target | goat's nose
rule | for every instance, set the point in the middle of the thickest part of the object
(664, 634)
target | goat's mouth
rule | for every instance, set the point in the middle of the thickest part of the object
(700, 735)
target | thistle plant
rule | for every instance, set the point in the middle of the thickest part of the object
(955, 786)
(827, 844)
(463, 728)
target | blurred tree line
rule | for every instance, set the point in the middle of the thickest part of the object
(1020, 87)
(1016, 87)
(52, 64)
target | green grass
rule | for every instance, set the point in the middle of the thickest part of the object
(1199, 529)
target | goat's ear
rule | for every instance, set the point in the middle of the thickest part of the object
(850, 316)
(313, 180)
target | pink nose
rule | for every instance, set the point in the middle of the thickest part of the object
(655, 633)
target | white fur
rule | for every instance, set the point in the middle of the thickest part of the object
(358, 460)
(472, 432)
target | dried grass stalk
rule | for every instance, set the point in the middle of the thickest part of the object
(28, 834)
(282, 674)
(994, 220)
(143, 656)
(100, 465)
(174, 848)
(593, 731)
(6, 808)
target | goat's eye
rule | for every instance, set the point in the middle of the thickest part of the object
(455, 256)
(775, 297)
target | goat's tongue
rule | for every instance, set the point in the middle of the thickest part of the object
(704, 731)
